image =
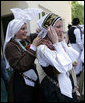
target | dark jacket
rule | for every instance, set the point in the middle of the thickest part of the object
(71, 35)
(21, 61)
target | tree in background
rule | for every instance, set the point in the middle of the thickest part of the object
(78, 11)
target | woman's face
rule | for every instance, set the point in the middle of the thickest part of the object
(58, 28)
(22, 33)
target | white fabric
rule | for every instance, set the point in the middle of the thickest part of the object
(26, 14)
(65, 85)
(32, 75)
(61, 62)
(82, 56)
(79, 47)
(73, 54)
(20, 17)
(32, 12)
(48, 57)
(33, 47)
(43, 30)
(83, 39)
(78, 68)
(78, 38)
(62, 56)
(82, 53)
(42, 33)
(28, 82)
(40, 21)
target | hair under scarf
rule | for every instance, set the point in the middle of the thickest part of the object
(20, 17)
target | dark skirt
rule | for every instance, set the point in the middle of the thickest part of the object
(20, 92)
(51, 93)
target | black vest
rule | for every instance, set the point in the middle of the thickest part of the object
(72, 38)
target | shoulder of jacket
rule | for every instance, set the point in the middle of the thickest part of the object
(12, 43)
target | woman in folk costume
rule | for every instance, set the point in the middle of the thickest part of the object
(56, 59)
(80, 84)
(19, 52)
(75, 38)
(81, 79)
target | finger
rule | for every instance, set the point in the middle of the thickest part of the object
(53, 30)
(39, 37)
(50, 29)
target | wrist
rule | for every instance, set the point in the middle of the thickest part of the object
(33, 47)
(55, 42)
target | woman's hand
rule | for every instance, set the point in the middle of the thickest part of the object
(37, 41)
(52, 35)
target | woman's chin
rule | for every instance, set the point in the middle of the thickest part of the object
(60, 39)
(24, 37)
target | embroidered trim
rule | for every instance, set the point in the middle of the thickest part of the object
(49, 20)
(18, 46)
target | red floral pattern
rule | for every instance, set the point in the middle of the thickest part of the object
(28, 46)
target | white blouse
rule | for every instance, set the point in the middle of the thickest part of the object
(78, 38)
(61, 59)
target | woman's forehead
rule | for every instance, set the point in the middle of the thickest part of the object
(59, 22)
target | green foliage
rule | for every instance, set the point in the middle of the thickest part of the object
(77, 11)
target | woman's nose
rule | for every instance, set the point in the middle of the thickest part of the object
(61, 29)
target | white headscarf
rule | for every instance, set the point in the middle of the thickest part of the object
(26, 14)
(43, 19)
(20, 17)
